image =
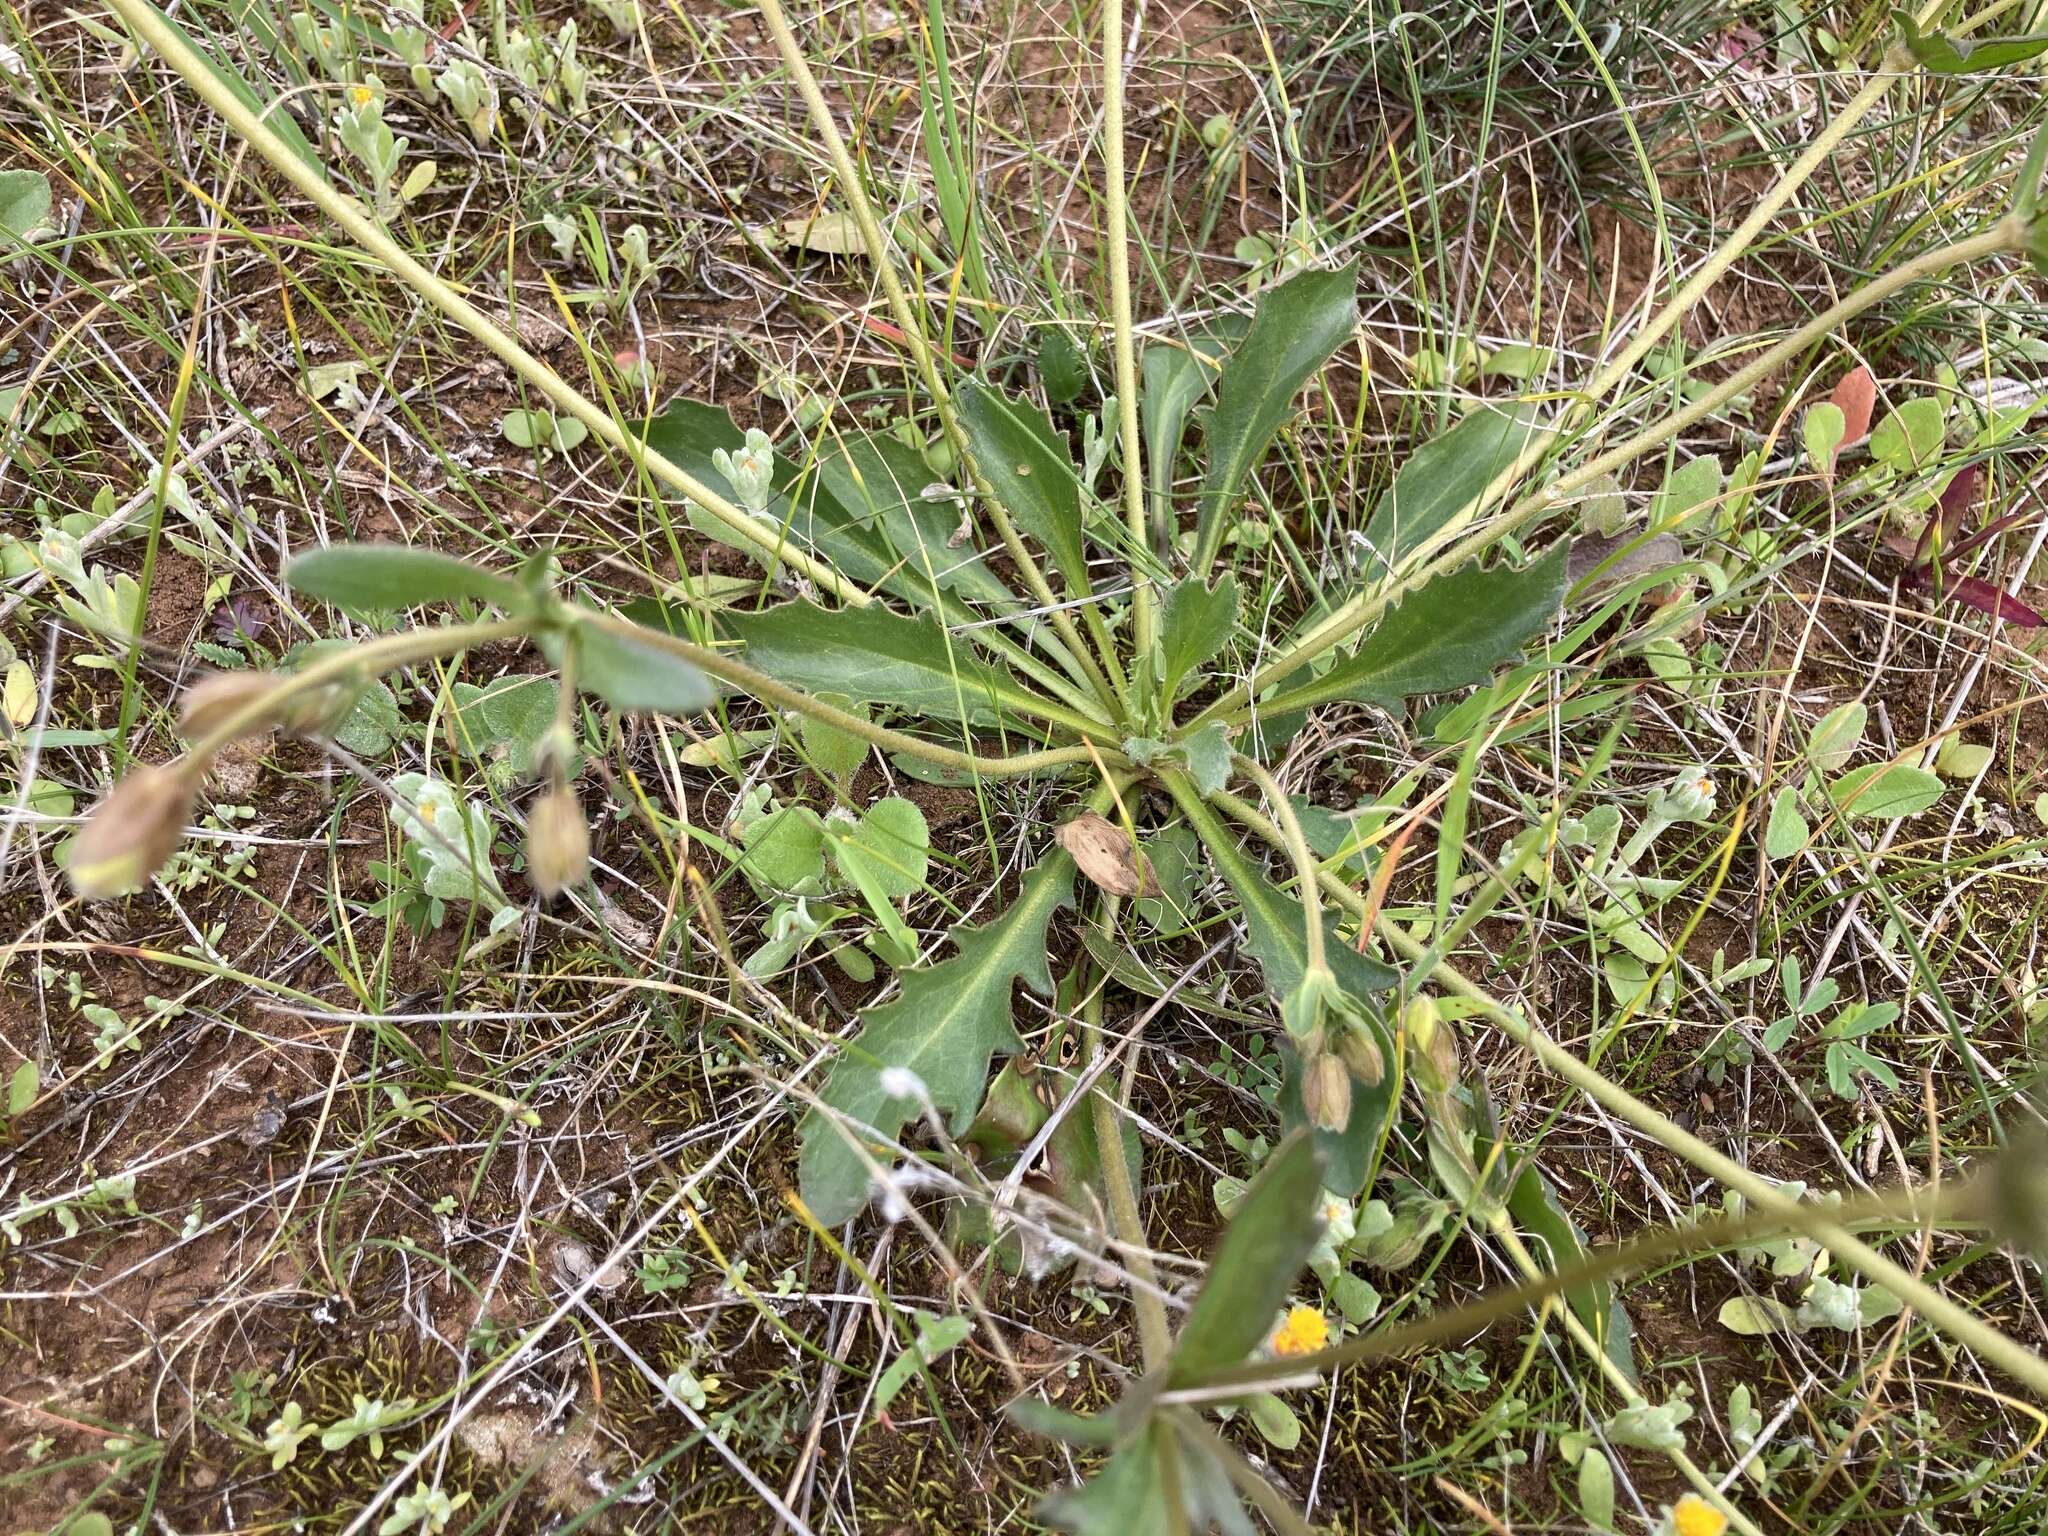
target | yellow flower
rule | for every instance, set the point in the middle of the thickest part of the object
(1694, 1516)
(1303, 1332)
(362, 95)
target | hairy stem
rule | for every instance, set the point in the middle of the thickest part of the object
(1952, 1318)
(357, 661)
(1155, 1338)
(1896, 1209)
(781, 695)
(349, 215)
(1306, 865)
(1116, 203)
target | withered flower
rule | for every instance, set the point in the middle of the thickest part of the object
(130, 834)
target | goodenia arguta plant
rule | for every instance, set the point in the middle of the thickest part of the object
(1086, 679)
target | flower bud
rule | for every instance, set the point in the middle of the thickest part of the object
(317, 711)
(1361, 1054)
(1690, 796)
(1326, 1092)
(216, 698)
(132, 832)
(1432, 1048)
(557, 843)
(1416, 1220)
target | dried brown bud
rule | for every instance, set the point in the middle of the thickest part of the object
(219, 696)
(1361, 1053)
(557, 843)
(132, 832)
(1326, 1092)
(318, 711)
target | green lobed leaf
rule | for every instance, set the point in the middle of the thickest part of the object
(1940, 54)
(1836, 736)
(880, 482)
(1175, 379)
(1445, 477)
(1062, 367)
(687, 432)
(936, 1336)
(1032, 474)
(630, 674)
(1533, 1205)
(1042, 1418)
(890, 848)
(872, 656)
(1271, 1232)
(1125, 1496)
(394, 576)
(1207, 754)
(1195, 623)
(514, 711)
(1297, 327)
(835, 752)
(944, 1025)
(1452, 633)
(1596, 1489)
(22, 1085)
(1909, 438)
(24, 204)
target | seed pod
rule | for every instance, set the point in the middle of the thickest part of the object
(132, 832)
(1361, 1053)
(1326, 1092)
(557, 843)
(209, 703)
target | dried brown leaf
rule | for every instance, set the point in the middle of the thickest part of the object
(1856, 395)
(1105, 855)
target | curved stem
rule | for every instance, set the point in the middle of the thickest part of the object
(1900, 1208)
(880, 255)
(366, 661)
(1116, 202)
(1306, 865)
(769, 691)
(1155, 1338)
(1952, 1318)
(214, 90)
(1433, 558)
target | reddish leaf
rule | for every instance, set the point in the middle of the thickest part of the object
(1986, 534)
(1856, 395)
(1958, 497)
(1986, 598)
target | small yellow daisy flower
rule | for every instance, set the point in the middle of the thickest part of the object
(1303, 1332)
(362, 95)
(1694, 1516)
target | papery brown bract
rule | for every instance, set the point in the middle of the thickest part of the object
(130, 834)
(214, 699)
(557, 843)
